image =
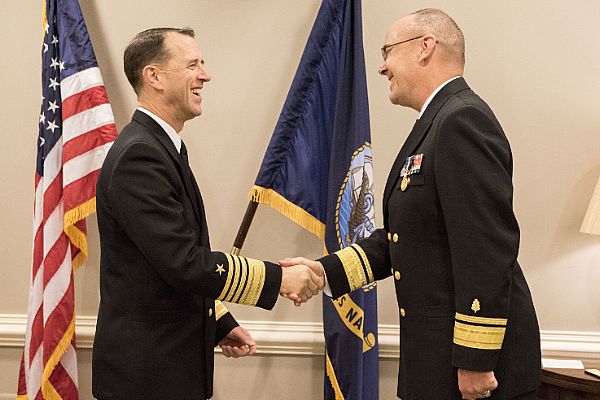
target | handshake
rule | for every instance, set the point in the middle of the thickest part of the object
(301, 279)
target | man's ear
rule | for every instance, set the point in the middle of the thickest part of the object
(428, 45)
(151, 76)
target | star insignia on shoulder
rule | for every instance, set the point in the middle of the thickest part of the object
(220, 269)
(475, 306)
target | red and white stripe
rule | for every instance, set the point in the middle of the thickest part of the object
(49, 368)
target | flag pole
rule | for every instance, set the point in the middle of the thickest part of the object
(244, 228)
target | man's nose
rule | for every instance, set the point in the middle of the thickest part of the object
(382, 69)
(204, 75)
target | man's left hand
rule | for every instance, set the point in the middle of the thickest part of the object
(238, 343)
(476, 384)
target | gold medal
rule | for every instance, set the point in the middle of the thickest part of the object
(405, 182)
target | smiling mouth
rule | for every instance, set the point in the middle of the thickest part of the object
(196, 92)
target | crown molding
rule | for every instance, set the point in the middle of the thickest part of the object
(306, 338)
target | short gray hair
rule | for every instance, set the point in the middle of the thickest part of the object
(444, 28)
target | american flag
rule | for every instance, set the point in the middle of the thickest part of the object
(76, 129)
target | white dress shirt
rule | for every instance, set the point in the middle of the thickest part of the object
(173, 135)
(432, 95)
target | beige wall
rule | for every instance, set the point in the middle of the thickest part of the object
(535, 62)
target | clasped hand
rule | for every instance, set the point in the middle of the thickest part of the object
(301, 279)
(476, 384)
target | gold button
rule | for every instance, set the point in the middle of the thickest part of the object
(397, 275)
(402, 312)
(395, 238)
(389, 236)
(210, 312)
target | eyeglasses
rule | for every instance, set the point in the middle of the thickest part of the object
(385, 50)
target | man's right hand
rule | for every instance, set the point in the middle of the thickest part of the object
(313, 285)
(476, 384)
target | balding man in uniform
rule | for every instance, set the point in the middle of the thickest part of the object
(468, 328)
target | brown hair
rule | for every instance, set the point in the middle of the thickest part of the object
(145, 48)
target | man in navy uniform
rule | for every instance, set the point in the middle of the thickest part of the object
(468, 328)
(160, 314)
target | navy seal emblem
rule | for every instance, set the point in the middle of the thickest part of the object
(355, 211)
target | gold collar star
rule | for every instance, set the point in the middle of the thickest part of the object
(220, 269)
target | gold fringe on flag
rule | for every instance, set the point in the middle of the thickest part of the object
(295, 213)
(333, 379)
(48, 390)
(44, 20)
(78, 260)
(76, 236)
(80, 212)
(54, 395)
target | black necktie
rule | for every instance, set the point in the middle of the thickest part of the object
(184, 155)
(194, 193)
(187, 176)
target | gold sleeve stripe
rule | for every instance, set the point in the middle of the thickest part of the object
(481, 320)
(234, 274)
(220, 310)
(236, 278)
(228, 280)
(245, 294)
(244, 274)
(366, 263)
(262, 276)
(478, 337)
(245, 281)
(256, 281)
(353, 268)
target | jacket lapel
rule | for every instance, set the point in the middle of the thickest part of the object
(204, 238)
(183, 170)
(188, 183)
(418, 133)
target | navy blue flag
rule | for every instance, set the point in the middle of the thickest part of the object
(318, 172)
